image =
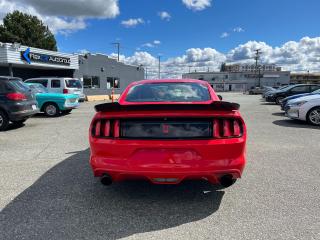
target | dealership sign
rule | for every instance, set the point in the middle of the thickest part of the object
(30, 57)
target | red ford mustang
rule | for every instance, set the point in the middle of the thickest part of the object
(168, 131)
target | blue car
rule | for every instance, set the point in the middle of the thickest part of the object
(52, 104)
(287, 99)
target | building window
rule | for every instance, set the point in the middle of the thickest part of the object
(91, 82)
(113, 82)
(55, 83)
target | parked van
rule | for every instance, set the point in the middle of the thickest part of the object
(61, 85)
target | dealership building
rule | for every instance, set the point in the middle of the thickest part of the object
(243, 77)
(99, 73)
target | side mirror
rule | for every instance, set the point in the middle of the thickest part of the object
(220, 97)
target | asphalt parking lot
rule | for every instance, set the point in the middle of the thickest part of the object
(48, 192)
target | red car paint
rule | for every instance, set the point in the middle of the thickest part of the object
(168, 161)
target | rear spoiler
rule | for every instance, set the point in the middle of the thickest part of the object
(217, 106)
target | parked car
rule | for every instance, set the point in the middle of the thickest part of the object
(287, 99)
(17, 103)
(305, 108)
(168, 131)
(271, 91)
(61, 85)
(279, 95)
(52, 104)
(255, 91)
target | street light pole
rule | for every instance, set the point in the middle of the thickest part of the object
(159, 67)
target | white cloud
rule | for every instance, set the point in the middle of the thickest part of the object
(164, 16)
(238, 29)
(150, 45)
(224, 35)
(63, 16)
(295, 56)
(132, 22)
(197, 5)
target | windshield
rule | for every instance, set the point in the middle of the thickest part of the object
(285, 88)
(19, 85)
(168, 92)
(316, 91)
(73, 83)
(38, 88)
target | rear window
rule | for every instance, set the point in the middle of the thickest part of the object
(18, 85)
(168, 92)
(73, 83)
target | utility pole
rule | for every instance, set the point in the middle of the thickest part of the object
(118, 49)
(308, 76)
(146, 69)
(159, 68)
(257, 57)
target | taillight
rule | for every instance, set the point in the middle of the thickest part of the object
(65, 91)
(105, 128)
(16, 96)
(227, 128)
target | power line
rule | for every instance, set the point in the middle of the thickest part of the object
(159, 68)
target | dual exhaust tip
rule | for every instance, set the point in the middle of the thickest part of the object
(225, 180)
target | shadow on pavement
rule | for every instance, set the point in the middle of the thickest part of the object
(280, 114)
(294, 124)
(268, 103)
(68, 203)
(12, 126)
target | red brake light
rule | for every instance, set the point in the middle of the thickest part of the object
(216, 128)
(101, 129)
(227, 131)
(236, 128)
(226, 128)
(65, 91)
(116, 128)
(16, 96)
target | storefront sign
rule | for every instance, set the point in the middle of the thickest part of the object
(30, 57)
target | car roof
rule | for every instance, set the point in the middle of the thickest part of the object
(9, 78)
(171, 81)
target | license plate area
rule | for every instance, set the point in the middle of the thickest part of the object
(166, 128)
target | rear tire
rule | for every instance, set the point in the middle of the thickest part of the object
(51, 110)
(4, 121)
(313, 116)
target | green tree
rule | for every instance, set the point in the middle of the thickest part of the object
(27, 30)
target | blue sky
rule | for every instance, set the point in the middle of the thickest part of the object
(274, 22)
(194, 34)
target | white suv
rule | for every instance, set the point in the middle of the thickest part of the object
(60, 85)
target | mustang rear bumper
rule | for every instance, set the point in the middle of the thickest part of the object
(168, 162)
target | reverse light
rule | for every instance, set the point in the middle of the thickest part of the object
(16, 96)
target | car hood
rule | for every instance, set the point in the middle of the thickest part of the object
(297, 96)
(305, 98)
(57, 95)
